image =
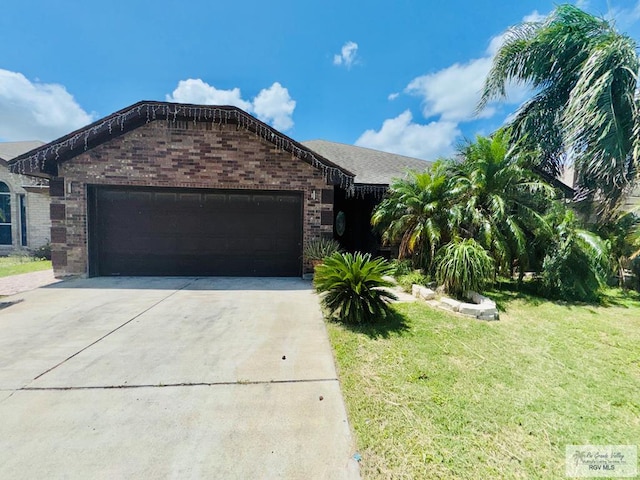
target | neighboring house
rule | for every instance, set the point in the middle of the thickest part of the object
(171, 189)
(374, 171)
(24, 204)
(567, 182)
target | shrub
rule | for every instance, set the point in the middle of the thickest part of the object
(402, 267)
(462, 266)
(320, 248)
(576, 263)
(353, 287)
(43, 252)
(407, 280)
(575, 267)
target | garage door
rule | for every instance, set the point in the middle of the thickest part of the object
(145, 231)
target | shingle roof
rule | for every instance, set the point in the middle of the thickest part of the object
(371, 167)
(9, 150)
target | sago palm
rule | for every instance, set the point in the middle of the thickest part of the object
(353, 287)
(584, 108)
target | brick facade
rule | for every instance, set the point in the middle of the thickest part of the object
(179, 154)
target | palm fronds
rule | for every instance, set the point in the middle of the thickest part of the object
(353, 287)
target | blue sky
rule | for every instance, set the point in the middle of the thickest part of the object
(399, 76)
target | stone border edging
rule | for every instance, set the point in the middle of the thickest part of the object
(482, 308)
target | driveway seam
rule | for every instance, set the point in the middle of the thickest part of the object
(174, 385)
(108, 333)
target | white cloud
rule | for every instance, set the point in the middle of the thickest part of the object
(449, 97)
(347, 55)
(194, 90)
(402, 136)
(454, 92)
(583, 4)
(37, 111)
(393, 96)
(273, 105)
(624, 17)
(535, 16)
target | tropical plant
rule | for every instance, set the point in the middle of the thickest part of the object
(353, 287)
(622, 231)
(416, 277)
(576, 265)
(463, 266)
(416, 214)
(584, 79)
(502, 202)
(319, 248)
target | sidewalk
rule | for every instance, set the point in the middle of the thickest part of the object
(26, 281)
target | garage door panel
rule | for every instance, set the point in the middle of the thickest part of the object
(196, 232)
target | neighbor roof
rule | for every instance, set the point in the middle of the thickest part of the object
(44, 160)
(10, 150)
(371, 167)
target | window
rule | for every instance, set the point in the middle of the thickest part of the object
(5, 214)
(23, 220)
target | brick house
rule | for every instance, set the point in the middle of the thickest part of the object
(171, 189)
(24, 204)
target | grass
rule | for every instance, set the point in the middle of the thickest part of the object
(16, 264)
(434, 395)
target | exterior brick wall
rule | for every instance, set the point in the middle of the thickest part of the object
(37, 213)
(180, 154)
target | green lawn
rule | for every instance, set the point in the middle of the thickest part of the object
(13, 265)
(433, 395)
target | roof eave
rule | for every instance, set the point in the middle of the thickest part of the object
(43, 161)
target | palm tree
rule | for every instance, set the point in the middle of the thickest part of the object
(622, 232)
(502, 201)
(585, 106)
(576, 265)
(417, 214)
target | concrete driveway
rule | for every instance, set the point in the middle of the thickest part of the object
(170, 378)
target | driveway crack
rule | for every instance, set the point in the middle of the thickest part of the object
(108, 333)
(181, 384)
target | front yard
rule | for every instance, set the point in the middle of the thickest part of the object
(14, 265)
(435, 395)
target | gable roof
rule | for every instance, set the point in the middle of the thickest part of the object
(372, 168)
(43, 161)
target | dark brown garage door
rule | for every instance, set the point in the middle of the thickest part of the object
(142, 231)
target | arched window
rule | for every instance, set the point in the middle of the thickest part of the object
(5, 214)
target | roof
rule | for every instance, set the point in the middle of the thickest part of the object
(43, 161)
(371, 167)
(10, 150)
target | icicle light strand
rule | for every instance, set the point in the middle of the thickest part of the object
(151, 112)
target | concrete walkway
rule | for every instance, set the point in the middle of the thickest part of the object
(170, 378)
(25, 282)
